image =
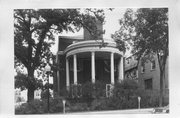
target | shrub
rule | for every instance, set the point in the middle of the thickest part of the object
(93, 90)
(99, 104)
(77, 107)
(65, 93)
(40, 107)
(45, 94)
(56, 105)
(125, 96)
(149, 98)
(33, 107)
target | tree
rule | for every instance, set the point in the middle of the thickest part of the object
(34, 31)
(21, 81)
(146, 30)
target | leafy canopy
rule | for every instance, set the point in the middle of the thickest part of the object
(146, 30)
(34, 31)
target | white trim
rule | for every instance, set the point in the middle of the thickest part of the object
(94, 49)
(152, 65)
(88, 42)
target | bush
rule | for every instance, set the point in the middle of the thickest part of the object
(93, 90)
(77, 107)
(65, 93)
(149, 98)
(33, 107)
(125, 96)
(56, 105)
(45, 94)
(40, 107)
(99, 104)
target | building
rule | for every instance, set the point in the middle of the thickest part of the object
(131, 68)
(82, 59)
(37, 94)
(146, 74)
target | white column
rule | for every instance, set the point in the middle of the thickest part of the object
(75, 68)
(67, 74)
(58, 83)
(122, 69)
(119, 70)
(93, 66)
(112, 68)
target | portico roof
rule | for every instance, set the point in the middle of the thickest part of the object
(92, 46)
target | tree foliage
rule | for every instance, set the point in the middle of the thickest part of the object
(146, 30)
(21, 81)
(34, 35)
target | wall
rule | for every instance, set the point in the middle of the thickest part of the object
(154, 74)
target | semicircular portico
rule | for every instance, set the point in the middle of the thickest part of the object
(93, 50)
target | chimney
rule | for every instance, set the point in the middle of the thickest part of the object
(98, 34)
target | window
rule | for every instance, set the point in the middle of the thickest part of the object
(148, 84)
(142, 67)
(153, 65)
(37, 94)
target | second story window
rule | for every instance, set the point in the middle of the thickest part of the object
(153, 65)
(142, 67)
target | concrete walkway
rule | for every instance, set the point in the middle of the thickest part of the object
(130, 111)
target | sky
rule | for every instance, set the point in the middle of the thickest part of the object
(111, 25)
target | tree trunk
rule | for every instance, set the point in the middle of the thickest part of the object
(162, 64)
(161, 89)
(30, 95)
(31, 85)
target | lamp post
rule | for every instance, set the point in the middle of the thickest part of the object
(48, 69)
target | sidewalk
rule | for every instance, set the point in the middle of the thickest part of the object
(130, 111)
